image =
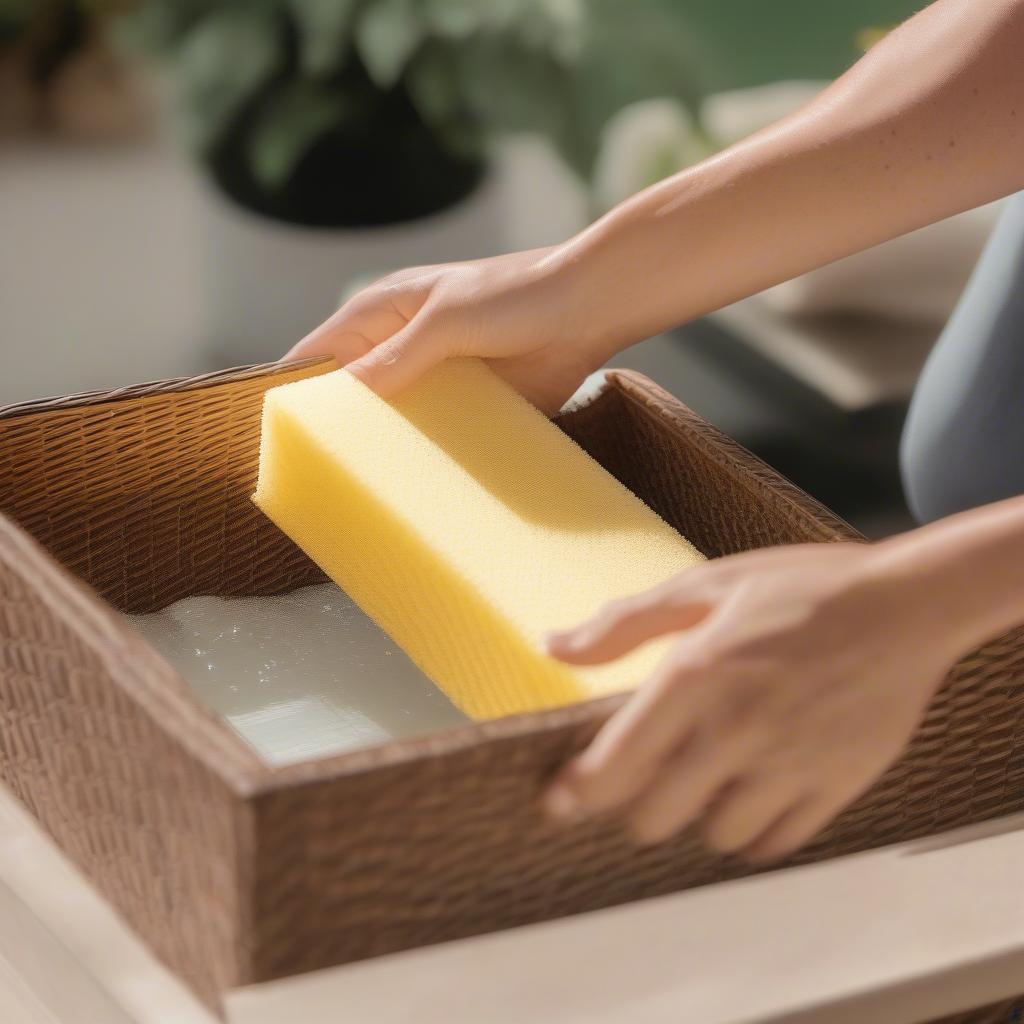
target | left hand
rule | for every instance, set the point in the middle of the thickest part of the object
(799, 676)
(527, 313)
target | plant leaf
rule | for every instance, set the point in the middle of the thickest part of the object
(640, 51)
(434, 85)
(387, 34)
(223, 62)
(511, 87)
(630, 52)
(288, 124)
(15, 16)
(325, 31)
(456, 19)
(554, 26)
(160, 25)
(437, 91)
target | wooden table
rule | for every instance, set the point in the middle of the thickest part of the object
(902, 934)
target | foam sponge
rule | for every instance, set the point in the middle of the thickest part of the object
(467, 525)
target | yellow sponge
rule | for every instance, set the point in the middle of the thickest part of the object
(467, 525)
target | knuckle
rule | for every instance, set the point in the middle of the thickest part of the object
(785, 846)
(746, 705)
(673, 682)
(723, 837)
(649, 831)
(764, 853)
(620, 608)
(693, 661)
(614, 612)
(400, 277)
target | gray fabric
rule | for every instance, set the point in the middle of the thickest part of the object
(963, 443)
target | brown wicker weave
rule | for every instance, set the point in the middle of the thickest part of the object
(1009, 1011)
(236, 872)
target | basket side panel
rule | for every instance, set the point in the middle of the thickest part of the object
(966, 762)
(1009, 1011)
(450, 844)
(159, 834)
(146, 498)
(376, 854)
(703, 483)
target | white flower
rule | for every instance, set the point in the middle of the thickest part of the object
(642, 144)
(731, 116)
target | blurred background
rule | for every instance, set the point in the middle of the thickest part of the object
(187, 185)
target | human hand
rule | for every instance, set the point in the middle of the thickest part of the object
(523, 313)
(798, 678)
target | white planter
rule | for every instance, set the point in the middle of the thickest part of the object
(267, 284)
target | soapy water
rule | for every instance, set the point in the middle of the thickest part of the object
(299, 675)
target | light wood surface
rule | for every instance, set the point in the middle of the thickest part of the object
(893, 936)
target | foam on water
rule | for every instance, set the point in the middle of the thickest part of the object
(299, 675)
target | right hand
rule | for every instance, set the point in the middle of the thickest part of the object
(524, 313)
(797, 676)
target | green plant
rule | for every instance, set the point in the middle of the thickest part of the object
(273, 78)
(14, 18)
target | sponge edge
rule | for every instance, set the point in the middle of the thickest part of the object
(467, 525)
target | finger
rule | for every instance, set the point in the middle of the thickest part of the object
(624, 625)
(797, 828)
(624, 757)
(687, 784)
(343, 346)
(747, 810)
(361, 323)
(393, 365)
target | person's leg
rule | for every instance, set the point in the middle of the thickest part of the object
(963, 443)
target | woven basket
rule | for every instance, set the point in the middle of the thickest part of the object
(235, 872)
(1009, 1011)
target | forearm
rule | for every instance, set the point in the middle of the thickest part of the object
(929, 123)
(963, 577)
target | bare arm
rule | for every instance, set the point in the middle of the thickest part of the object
(968, 568)
(929, 123)
(800, 673)
(799, 676)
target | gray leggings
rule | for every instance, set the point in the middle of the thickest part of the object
(963, 443)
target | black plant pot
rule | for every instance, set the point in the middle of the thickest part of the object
(383, 167)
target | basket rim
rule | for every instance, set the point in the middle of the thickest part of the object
(755, 474)
(143, 675)
(757, 478)
(172, 385)
(235, 762)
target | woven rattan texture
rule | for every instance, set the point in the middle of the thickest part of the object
(967, 761)
(1010, 1011)
(450, 843)
(147, 499)
(158, 833)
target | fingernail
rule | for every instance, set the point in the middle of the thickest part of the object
(562, 804)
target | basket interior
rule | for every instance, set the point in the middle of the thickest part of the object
(147, 499)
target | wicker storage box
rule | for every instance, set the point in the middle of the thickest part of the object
(236, 872)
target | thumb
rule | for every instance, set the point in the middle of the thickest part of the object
(393, 365)
(624, 625)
